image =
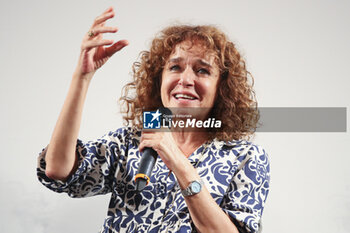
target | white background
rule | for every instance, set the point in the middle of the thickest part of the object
(298, 52)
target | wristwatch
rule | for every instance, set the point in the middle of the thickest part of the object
(194, 188)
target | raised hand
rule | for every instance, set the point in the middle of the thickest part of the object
(94, 52)
(61, 160)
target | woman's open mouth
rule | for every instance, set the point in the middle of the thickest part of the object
(184, 96)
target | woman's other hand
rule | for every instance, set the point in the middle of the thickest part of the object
(61, 159)
(94, 52)
(165, 146)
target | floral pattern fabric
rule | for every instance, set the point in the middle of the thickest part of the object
(236, 173)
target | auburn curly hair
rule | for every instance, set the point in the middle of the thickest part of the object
(235, 103)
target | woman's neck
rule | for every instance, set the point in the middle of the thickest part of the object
(188, 142)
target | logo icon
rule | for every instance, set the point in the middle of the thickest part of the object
(151, 120)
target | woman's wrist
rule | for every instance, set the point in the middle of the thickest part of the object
(186, 173)
(78, 75)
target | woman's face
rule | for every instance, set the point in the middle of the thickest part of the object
(190, 77)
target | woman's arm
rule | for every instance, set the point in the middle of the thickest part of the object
(207, 216)
(61, 160)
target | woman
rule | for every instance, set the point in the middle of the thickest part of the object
(204, 181)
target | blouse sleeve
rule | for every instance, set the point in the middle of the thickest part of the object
(245, 199)
(97, 165)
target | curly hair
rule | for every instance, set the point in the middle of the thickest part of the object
(235, 103)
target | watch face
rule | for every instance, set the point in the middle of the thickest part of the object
(196, 187)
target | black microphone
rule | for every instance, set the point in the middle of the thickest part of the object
(148, 159)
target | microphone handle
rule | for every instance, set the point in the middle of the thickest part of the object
(148, 160)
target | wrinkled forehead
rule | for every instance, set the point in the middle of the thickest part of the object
(196, 49)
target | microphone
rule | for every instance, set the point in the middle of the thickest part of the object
(148, 160)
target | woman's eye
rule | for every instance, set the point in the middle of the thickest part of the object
(175, 68)
(203, 71)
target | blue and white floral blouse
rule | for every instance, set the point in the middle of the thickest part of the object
(236, 173)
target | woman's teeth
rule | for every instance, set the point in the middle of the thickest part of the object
(183, 96)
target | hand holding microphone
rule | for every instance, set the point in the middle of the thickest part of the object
(147, 162)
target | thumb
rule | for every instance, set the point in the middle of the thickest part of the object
(116, 47)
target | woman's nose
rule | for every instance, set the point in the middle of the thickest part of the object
(187, 77)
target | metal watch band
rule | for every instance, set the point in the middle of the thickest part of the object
(188, 191)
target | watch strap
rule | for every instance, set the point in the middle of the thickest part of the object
(188, 191)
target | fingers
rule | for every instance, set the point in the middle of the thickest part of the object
(149, 135)
(150, 144)
(98, 29)
(143, 145)
(148, 139)
(108, 14)
(108, 9)
(95, 43)
(105, 30)
(116, 47)
(98, 25)
(96, 33)
(94, 48)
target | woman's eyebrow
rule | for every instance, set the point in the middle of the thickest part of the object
(175, 60)
(180, 59)
(204, 63)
